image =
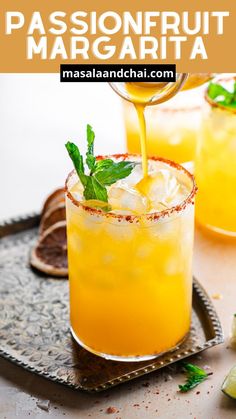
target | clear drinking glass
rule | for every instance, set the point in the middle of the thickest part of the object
(215, 167)
(172, 127)
(149, 93)
(130, 275)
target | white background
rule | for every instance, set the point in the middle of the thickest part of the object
(38, 114)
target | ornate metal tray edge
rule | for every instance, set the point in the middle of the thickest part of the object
(171, 357)
(18, 224)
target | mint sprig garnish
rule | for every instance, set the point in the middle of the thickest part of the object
(90, 159)
(195, 376)
(111, 172)
(101, 173)
(222, 96)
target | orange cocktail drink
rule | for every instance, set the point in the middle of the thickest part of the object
(130, 266)
(215, 165)
(172, 129)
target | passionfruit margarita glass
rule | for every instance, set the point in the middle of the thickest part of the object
(215, 166)
(130, 275)
(172, 127)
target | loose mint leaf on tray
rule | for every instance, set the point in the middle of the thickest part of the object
(102, 173)
(195, 376)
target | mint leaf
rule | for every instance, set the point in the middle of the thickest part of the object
(222, 96)
(103, 164)
(77, 159)
(94, 190)
(195, 376)
(90, 159)
(100, 190)
(113, 172)
(102, 173)
(216, 90)
(234, 91)
(89, 190)
(90, 139)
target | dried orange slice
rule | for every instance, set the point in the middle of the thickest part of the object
(57, 197)
(50, 254)
(52, 215)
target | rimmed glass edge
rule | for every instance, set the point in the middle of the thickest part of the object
(154, 216)
(217, 105)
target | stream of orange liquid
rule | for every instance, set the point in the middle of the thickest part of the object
(141, 94)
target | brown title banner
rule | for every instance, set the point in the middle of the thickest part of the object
(37, 37)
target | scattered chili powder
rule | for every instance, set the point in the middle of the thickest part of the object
(111, 409)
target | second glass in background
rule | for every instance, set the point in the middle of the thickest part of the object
(215, 166)
(172, 127)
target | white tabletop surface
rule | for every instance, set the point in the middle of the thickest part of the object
(37, 116)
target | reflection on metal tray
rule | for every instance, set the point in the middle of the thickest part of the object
(34, 324)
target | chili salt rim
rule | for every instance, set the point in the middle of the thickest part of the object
(214, 104)
(154, 216)
(179, 110)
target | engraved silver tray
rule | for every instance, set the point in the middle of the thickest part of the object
(34, 322)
